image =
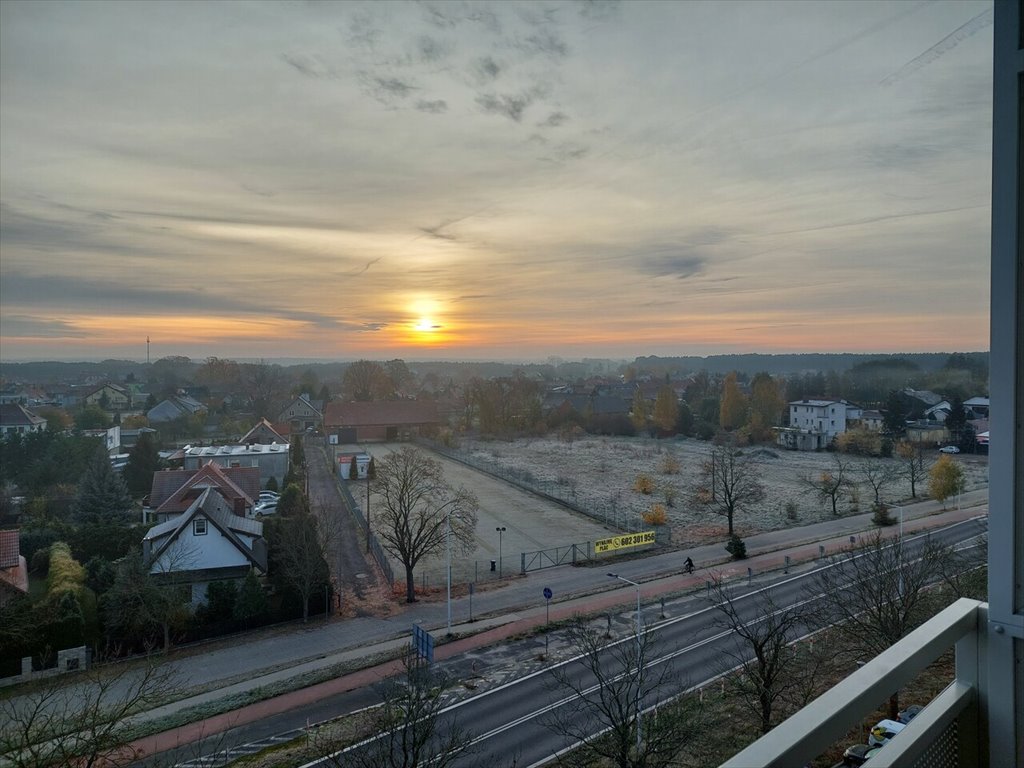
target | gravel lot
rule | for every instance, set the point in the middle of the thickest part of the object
(600, 472)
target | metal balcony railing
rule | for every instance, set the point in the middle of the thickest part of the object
(946, 732)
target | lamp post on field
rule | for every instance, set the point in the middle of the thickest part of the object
(500, 529)
(639, 661)
(448, 569)
(367, 512)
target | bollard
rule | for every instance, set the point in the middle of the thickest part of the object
(609, 633)
(663, 607)
(709, 588)
(786, 569)
(853, 539)
(821, 550)
(750, 575)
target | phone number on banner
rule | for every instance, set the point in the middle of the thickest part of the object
(622, 542)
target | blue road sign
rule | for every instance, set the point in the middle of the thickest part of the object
(548, 593)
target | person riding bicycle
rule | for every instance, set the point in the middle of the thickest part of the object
(688, 565)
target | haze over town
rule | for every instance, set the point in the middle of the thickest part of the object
(502, 181)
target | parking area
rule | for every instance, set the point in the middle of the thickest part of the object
(531, 523)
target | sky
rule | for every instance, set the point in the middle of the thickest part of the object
(470, 180)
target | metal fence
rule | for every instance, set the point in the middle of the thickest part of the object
(560, 490)
(375, 548)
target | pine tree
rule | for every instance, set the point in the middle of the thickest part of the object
(143, 461)
(102, 495)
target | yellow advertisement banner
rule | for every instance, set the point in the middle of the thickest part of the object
(624, 541)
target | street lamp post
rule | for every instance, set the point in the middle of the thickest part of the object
(367, 513)
(448, 547)
(639, 660)
(500, 529)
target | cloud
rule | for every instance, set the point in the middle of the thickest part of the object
(553, 120)
(486, 69)
(511, 106)
(309, 66)
(680, 265)
(432, 50)
(26, 326)
(436, 107)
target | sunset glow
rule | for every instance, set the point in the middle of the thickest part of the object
(415, 180)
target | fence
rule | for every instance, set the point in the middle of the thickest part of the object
(561, 491)
(375, 548)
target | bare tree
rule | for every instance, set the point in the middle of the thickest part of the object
(729, 482)
(913, 463)
(769, 669)
(831, 484)
(366, 380)
(878, 475)
(416, 507)
(81, 721)
(877, 591)
(602, 718)
(140, 602)
(410, 728)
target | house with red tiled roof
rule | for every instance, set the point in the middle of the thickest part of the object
(174, 490)
(379, 421)
(205, 543)
(13, 567)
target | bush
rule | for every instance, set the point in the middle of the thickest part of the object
(272, 484)
(669, 465)
(643, 484)
(791, 510)
(880, 515)
(656, 515)
(736, 548)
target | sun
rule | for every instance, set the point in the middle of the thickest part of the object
(426, 325)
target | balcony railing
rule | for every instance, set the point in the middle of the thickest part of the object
(946, 732)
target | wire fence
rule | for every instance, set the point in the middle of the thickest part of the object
(561, 490)
(375, 548)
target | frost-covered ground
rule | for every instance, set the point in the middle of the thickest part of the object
(599, 474)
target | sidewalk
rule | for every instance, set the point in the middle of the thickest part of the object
(658, 575)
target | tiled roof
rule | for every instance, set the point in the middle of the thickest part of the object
(14, 415)
(10, 549)
(170, 486)
(264, 429)
(375, 414)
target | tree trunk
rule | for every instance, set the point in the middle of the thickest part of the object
(305, 608)
(894, 706)
(410, 585)
(167, 636)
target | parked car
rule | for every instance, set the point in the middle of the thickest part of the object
(949, 449)
(265, 508)
(269, 496)
(857, 755)
(884, 731)
(909, 713)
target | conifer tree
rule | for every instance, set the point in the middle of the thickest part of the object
(102, 495)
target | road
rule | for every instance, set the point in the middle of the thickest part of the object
(515, 720)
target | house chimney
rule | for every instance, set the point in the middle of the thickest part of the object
(240, 506)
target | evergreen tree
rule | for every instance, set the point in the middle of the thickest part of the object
(102, 495)
(143, 461)
(895, 420)
(251, 601)
(957, 419)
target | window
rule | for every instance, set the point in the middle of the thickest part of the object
(199, 526)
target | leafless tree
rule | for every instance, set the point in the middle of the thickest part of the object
(913, 464)
(366, 380)
(602, 716)
(729, 482)
(832, 484)
(964, 570)
(764, 669)
(140, 601)
(301, 545)
(878, 592)
(81, 721)
(410, 728)
(416, 506)
(878, 475)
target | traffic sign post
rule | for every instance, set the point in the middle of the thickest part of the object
(547, 615)
(471, 590)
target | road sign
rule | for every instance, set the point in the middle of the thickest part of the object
(423, 642)
(548, 593)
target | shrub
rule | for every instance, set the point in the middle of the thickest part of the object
(656, 515)
(272, 484)
(880, 515)
(643, 484)
(736, 548)
(670, 496)
(791, 510)
(669, 465)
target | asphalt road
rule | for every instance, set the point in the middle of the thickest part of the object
(516, 720)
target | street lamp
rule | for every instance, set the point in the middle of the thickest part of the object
(500, 529)
(639, 660)
(448, 547)
(367, 513)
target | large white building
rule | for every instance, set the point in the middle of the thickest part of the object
(813, 424)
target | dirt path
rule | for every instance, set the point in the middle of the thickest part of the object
(351, 571)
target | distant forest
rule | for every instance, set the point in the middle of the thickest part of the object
(744, 364)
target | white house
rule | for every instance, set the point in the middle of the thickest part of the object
(207, 543)
(813, 424)
(272, 460)
(15, 419)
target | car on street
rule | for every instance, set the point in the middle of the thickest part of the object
(909, 713)
(269, 496)
(857, 755)
(265, 508)
(949, 449)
